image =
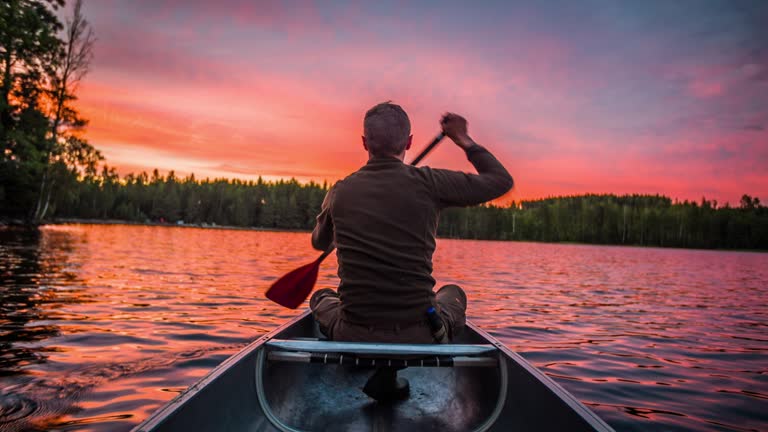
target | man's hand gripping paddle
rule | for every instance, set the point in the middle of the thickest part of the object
(292, 289)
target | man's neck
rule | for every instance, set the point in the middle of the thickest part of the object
(400, 156)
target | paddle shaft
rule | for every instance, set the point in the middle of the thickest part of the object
(429, 148)
(414, 162)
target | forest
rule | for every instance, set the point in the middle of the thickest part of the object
(49, 171)
(647, 220)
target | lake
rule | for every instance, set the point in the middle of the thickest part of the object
(102, 324)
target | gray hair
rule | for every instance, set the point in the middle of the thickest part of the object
(386, 128)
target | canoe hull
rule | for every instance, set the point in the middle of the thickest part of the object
(248, 392)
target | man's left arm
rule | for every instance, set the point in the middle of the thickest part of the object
(322, 235)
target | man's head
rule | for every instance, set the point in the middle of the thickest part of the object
(387, 130)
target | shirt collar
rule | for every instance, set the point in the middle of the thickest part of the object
(383, 160)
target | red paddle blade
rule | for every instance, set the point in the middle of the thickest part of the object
(292, 289)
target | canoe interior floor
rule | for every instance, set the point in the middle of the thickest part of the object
(321, 397)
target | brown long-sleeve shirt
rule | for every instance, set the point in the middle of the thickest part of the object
(383, 220)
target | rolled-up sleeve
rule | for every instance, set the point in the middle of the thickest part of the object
(322, 235)
(454, 188)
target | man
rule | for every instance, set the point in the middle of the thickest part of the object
(383, 220)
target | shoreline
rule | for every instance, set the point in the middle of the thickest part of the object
(64, 221)
(76, 221)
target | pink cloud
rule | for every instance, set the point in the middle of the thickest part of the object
(705, 89)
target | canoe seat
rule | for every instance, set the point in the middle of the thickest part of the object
(369, 354)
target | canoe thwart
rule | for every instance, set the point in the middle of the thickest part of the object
(353, 360)
(385, 349)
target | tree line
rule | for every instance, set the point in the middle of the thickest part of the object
(642, 220)
(646, 220)
(168, 199)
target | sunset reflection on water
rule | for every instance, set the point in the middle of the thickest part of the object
(102, 324)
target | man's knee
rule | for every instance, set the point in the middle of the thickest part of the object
(319, 295)
(325, 305)
(453, 295)
(453, 308)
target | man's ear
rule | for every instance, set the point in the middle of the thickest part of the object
(410, 141)
(365, 146)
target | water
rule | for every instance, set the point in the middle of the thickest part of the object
(100, 325)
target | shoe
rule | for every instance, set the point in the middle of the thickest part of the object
(385, 386)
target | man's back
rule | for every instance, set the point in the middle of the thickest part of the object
(383, 220)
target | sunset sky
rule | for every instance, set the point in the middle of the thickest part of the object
(578, 97)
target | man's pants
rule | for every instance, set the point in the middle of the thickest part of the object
(326, 308)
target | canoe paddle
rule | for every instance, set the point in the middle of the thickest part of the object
(292, 289)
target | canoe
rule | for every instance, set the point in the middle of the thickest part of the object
(293, 380)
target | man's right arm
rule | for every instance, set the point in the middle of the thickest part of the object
(453, 188)
(322, 235)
